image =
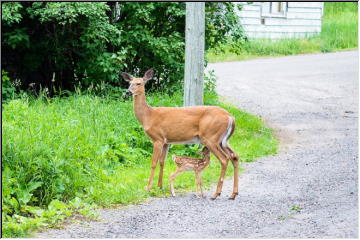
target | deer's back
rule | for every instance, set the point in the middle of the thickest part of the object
(184, 124)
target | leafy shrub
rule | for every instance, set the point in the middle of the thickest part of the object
(210, 82)
(60, 45)
(7, 87)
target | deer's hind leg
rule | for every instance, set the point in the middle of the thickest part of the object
(213, 134)
(232, 156)
(235, 162)
(217, 151)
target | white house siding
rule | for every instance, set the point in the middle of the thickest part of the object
(300, 19)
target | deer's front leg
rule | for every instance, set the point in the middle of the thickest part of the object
(157, 150)
(162, 162)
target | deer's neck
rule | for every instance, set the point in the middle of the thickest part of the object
(141, 108)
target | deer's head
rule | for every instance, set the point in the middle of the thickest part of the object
(137, 85)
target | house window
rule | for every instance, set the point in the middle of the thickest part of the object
(276, 8)
(273, 9)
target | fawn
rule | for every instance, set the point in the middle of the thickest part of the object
(190, 164)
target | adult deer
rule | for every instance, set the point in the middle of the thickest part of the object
(209, 125)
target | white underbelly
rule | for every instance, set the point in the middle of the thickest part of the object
(195, 140)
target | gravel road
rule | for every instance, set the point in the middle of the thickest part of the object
(312, 103)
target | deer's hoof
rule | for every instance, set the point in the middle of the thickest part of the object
(233, 196)
(214, 196)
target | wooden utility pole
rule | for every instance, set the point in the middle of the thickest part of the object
(194, 53)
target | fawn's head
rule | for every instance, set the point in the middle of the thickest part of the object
(204, 152)
(137, 85)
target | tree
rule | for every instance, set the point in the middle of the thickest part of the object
(67, 44)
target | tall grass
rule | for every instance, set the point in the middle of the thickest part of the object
(93, 148)
(339, 26)
(339, 31)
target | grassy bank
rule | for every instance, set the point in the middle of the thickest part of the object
(61, 155)
(339, 31)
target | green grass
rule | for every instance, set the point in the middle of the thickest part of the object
(340, 26)
(339, 32)
(92, 150)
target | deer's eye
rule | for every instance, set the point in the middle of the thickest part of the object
(138, 84)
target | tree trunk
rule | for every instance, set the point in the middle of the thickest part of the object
(194, 53)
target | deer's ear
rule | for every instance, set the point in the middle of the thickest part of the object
(127, 77)
(148, 75)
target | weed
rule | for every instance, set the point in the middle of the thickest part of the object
(295, 208)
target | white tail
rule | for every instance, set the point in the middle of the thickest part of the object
(210, 125)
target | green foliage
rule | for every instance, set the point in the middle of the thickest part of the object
(18, 38)
(296, 208)
(60, 150)
(210, 82)
(223, 26)
(31, 218)
(68, 44)
(265, 47)
(64, 13)
(7, 87)
(152, 36)
(339, 26)
(11, 12)
(339, 31)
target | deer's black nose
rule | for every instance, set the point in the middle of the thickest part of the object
(128, 92)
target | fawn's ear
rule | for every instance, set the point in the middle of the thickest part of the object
(127, 77)
(148, 75)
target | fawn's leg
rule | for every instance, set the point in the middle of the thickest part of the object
(198, 179)
(157, 150)
(172, 178)
(196, 183)
(162, 162)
